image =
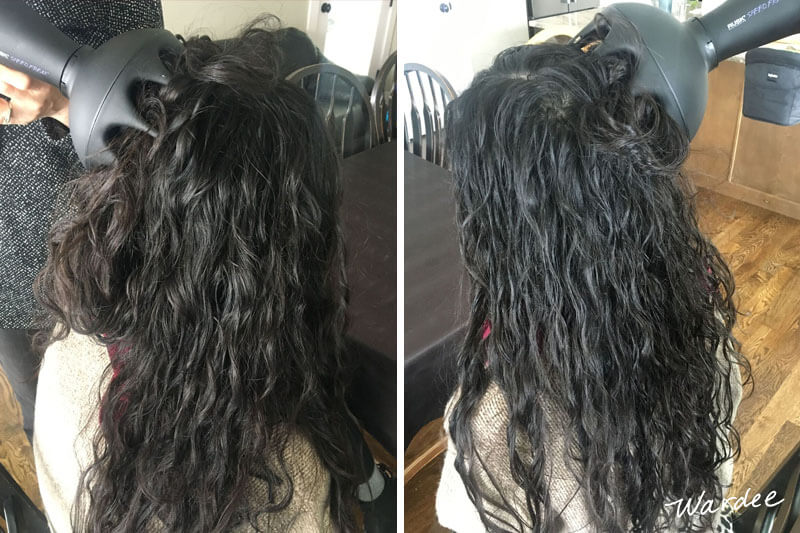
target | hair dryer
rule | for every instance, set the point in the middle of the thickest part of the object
(678, 56)
(100, 84)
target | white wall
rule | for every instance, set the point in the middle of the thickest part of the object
(223, 18)
(463, 41)
(361, 45)
(351, 33)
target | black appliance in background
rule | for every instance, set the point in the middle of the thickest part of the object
(538, 9)
(772, 86)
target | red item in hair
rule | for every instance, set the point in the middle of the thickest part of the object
(114, 351)
(487, 329)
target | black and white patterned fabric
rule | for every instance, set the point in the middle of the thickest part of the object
(36, 161)
(726, 517)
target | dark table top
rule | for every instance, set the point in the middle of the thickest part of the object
(369, 213)
(436, 292)
(369, 218)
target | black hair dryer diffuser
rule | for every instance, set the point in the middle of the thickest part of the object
(100, 84)
(678, 56)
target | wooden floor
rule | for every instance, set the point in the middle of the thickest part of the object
(16, 454)
(763, 251)
(422, 478)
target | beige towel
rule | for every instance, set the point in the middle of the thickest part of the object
(454, 508)
(66, 421)
(456, 511)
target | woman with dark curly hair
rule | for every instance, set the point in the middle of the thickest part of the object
(598, 380)
(206, 265)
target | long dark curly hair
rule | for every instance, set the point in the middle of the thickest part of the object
(603, 298)
(210, 257)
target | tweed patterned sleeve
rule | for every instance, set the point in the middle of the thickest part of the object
(96, 22)
(35, 164)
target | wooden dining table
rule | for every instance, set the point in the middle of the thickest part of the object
(369, 220)
(436, 292)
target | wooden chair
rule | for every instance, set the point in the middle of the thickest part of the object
(785, 518)
(384, 100)
(429, 93)
(344, 102)
(19, 513)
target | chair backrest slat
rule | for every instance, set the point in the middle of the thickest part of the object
(427, 117)
(416, 128)
(346, 115)
(329, 113)
(384, 99)
(391, 111)
(341, 111)
(429, 101)
(438, 121)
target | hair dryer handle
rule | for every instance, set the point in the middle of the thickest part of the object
(740, 25)
(31, 44)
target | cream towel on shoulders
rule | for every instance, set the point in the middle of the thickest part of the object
(454, 508)
(66, 419)
(67, 402)
(456, 511)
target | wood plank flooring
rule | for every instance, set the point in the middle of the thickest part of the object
(16, 454)
(420, 501)
(763, 251)
(422, 471)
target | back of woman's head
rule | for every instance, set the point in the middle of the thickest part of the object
(602, 296)
(210, 256)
